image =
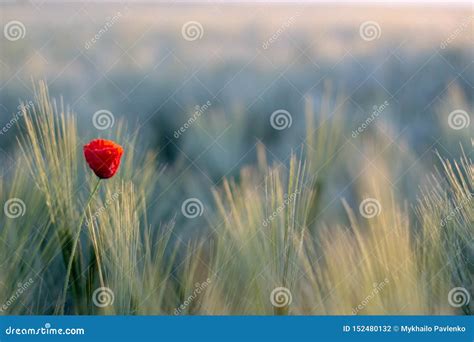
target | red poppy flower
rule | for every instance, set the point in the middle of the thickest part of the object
(103, 157)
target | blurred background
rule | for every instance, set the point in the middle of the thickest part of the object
(198, 83)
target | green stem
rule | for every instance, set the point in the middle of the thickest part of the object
(75, 243)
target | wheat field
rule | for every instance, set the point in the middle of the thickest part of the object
(281, 162)
(393, 257)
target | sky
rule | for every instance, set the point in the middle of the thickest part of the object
(440, 2)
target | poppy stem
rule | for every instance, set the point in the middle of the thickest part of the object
(75, 243)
